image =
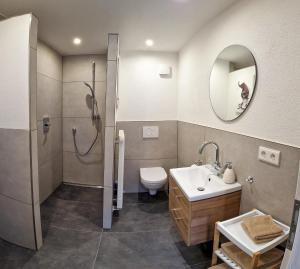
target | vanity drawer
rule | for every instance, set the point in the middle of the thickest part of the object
(195, 220)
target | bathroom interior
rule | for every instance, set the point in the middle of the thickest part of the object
(149, 134)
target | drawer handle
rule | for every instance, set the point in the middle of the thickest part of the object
(174, 216)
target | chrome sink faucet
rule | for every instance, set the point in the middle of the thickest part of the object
(217, 165)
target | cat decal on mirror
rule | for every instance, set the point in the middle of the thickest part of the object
(245, 97)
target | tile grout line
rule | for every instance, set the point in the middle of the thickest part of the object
(97, 252)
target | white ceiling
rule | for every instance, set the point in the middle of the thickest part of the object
(170, 23)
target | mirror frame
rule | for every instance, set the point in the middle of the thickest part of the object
(254, 88)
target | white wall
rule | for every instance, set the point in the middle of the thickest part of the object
(144, 95)
(269, 29)
(14, 72)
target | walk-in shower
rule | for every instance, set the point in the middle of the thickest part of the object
(95, 117)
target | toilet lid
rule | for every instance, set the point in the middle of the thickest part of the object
(153, 174)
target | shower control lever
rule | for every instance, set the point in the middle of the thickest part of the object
(46, 124)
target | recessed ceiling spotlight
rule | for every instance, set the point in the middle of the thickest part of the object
(77, 41)
(149, 42)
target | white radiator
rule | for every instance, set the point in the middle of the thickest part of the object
(121, 141)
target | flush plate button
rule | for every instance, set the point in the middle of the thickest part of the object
(150, 132)
(268, 155)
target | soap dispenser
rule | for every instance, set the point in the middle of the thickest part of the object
(229, 175)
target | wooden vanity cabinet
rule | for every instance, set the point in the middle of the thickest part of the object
(195, 221)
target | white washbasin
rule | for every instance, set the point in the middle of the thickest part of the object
(198, 182)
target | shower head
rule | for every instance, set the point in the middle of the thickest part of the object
(91, 89)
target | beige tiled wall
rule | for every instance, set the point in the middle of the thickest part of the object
(49, 103)
(140, 152)
(77, 113)
(274, 188)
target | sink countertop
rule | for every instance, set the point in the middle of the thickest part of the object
(192, 180)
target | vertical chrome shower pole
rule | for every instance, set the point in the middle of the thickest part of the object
(94, 87)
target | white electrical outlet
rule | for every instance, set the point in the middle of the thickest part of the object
(268, 155)
(150, 131)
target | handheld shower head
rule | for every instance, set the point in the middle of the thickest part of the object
(91, 89)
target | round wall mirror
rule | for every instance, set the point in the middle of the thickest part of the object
(232, 82)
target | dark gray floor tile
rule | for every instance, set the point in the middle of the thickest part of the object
(66, 249)
(149, 250)
(71, 215)
(12, 256)
(76, 193)
(195, 254)
(138, 217)
(145, 197)
(202, 265)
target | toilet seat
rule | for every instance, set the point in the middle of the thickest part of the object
(153, 175)
(153, 178)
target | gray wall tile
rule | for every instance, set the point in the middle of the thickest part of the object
(77, 99)
(79, 68)
(84, 170)
(49, 97)
(139, 148)
(49, 62)
(111, 94)
(33, 88)
(15, 178)
(113, 49)
(16, 222)
(77, 113)
(274, 189)
(85, 135)
(49, 102)
(50, 176)
(50, 144)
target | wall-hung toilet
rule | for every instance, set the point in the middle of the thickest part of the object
(153, 178)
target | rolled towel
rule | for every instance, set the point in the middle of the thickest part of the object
(261, 228)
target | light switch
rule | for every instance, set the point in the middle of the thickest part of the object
(150, 132)
(268, 155)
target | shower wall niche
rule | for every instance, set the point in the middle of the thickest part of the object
(86, 170)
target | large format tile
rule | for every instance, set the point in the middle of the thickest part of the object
(149, 250)
(74, 215)
(16, 222)
(49, 97)
(80, 194)
(50, 143)
(113, 47)
(143, 217)
(85, 135)
(13, 256)
(132, 172)
(190, 138)
(83, 170)
(77, 99)
(66, 249)
(137, 147)
(15, 178)
(271, 181)
(111, 93)
(49, 62)
(50, 176)
(33, 87)
(79, 68)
